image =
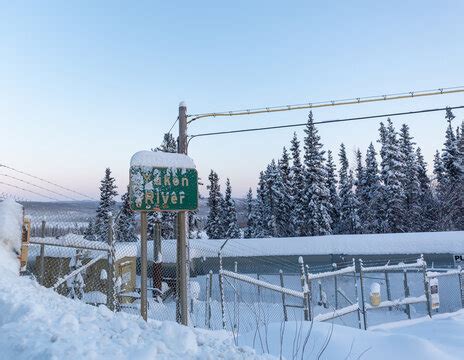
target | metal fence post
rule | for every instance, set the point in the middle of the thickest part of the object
(221, 292)
(356, 293)
(461, 286)
(143, 267)
(363, 305)
(305, 288)
(210, 291)
(426, 287)
(42, 255)
(235, 296)
(387, 284)
(157, 260)
(406, 292)
(281, 274)
(111, 294)
(334, 268)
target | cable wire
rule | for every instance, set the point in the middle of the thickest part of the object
(324, 122)
(33, 192)
(48, 182)
(39, 187)
(353, 101)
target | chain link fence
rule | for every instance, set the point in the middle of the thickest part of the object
(242, 294)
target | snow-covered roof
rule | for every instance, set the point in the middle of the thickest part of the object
(451, 242)
(65, 246)
(162, 159)
(365, 244)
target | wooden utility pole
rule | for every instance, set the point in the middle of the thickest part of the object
(181, 268)
(143, 260)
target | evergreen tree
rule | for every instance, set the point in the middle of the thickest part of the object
(297, 190)
(89, 233)
(316, 197)
(450, 157)
(334, 199)
(411, 185)
(392, 176)
(261, 209)
(250, 215)
(370, 195)
(106, 206)
(349, 219)
(229, 214)
(286, 205)
(427, 203)
(214, 223)
(276, 215)
(126, 225)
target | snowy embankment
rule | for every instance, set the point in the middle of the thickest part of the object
(36, 322)
(428, 339)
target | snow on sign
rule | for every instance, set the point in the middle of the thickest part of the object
(161, 181)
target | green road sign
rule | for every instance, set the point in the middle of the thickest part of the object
(163, 189)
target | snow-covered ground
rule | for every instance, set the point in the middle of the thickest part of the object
(428, 339)
(37, 323)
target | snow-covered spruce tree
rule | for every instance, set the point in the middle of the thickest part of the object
(392, 176)
(450, 154)
(249, 231)
(349, 219)
(125, 229)
(89, 233)
(275, 215)
(297, 190)
(214, 223)
(286, 206)
(316, 196)
(427, 203)
(450, 191)
(411, 185)
(370, 194)
(334, 199)
(229, 214)
(106, 205)
(262, 218)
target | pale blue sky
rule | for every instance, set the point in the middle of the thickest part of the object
(86, 84)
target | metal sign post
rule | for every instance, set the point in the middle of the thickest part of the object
(143, 260)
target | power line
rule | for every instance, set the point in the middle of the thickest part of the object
(48, 182)
(309, 105)
(324, 122)
(39, 187)
(33, 192)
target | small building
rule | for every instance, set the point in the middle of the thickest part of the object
(52, 259)
(269, 255)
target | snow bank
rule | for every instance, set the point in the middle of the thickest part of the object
(37, 323)
(162, 159)
(11, 220)
(428, 339)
